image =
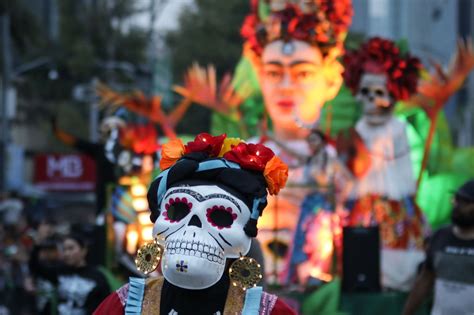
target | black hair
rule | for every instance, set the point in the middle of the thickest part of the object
(78, 238)
(244, 184)
(318, 132)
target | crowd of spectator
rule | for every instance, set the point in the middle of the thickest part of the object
(43, 265)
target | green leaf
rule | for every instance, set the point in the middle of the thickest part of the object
(434, 196)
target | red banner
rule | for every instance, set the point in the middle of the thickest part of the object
(64, 172)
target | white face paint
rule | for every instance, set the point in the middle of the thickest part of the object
(377, 102)
(202, 226)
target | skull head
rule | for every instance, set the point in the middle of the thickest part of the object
(376, 99)
(110, 124)
(201, 227)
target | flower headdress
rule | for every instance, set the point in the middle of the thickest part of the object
(380, 55)
(319, 22)
(249, 156)
(251, 169)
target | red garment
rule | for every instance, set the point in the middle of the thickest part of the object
(398, 228)
(113, 306)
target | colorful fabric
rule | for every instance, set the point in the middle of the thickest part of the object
(252, 301)
(314, 238)
(115, 303)
(122, 206)
(136, 290)
(401, 221)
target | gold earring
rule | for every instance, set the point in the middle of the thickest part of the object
(245, 272)
(149, 257)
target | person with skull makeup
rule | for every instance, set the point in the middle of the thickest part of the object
(205, 206)
(294, 50)
(449, 262)
(379, 75)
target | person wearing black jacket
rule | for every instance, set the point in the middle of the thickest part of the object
(80, 287)
(96, 150)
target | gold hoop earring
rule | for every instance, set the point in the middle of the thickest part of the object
(245, 273)
(149, 257)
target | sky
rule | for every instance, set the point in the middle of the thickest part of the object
(166, 20)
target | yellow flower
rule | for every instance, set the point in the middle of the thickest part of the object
(276, 174)
(228, 144)
(171, 152)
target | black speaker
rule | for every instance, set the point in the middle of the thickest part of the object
(361, 259)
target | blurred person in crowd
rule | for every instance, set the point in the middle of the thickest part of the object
(15, 244)
(96, 150)
(80, 287)
(449, 264)
(47, 243)
(11, 207)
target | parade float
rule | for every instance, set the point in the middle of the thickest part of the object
(363, 134)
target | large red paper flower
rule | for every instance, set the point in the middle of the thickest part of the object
(323, 25)
(250, 156)
(206, 143)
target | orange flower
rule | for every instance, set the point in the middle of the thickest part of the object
(170, 153)
(276, 174)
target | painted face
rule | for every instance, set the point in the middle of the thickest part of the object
(73, 254)
(202, 226)
(108, 125)
(377, 102)
(296, 81)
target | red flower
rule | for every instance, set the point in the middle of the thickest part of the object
(204, 142)
(142, 139)
(382, 55)
(325, 25)
(250, 156)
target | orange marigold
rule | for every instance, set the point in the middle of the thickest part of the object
(170, 153)
(276, 174)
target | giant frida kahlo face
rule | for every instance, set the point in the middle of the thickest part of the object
(296, 81)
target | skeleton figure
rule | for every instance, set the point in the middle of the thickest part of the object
(386, 139)
(379, 75)
(205, 206)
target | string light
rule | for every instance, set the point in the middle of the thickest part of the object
(140, 204)
(132, 241)
(138, 190)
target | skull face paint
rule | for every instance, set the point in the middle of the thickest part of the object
(201, 226)
(376, 100)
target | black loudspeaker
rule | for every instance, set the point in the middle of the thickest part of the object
(361, 259)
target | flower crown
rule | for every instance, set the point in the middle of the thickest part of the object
(253, 157)
(319, 22)
(383, 56)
